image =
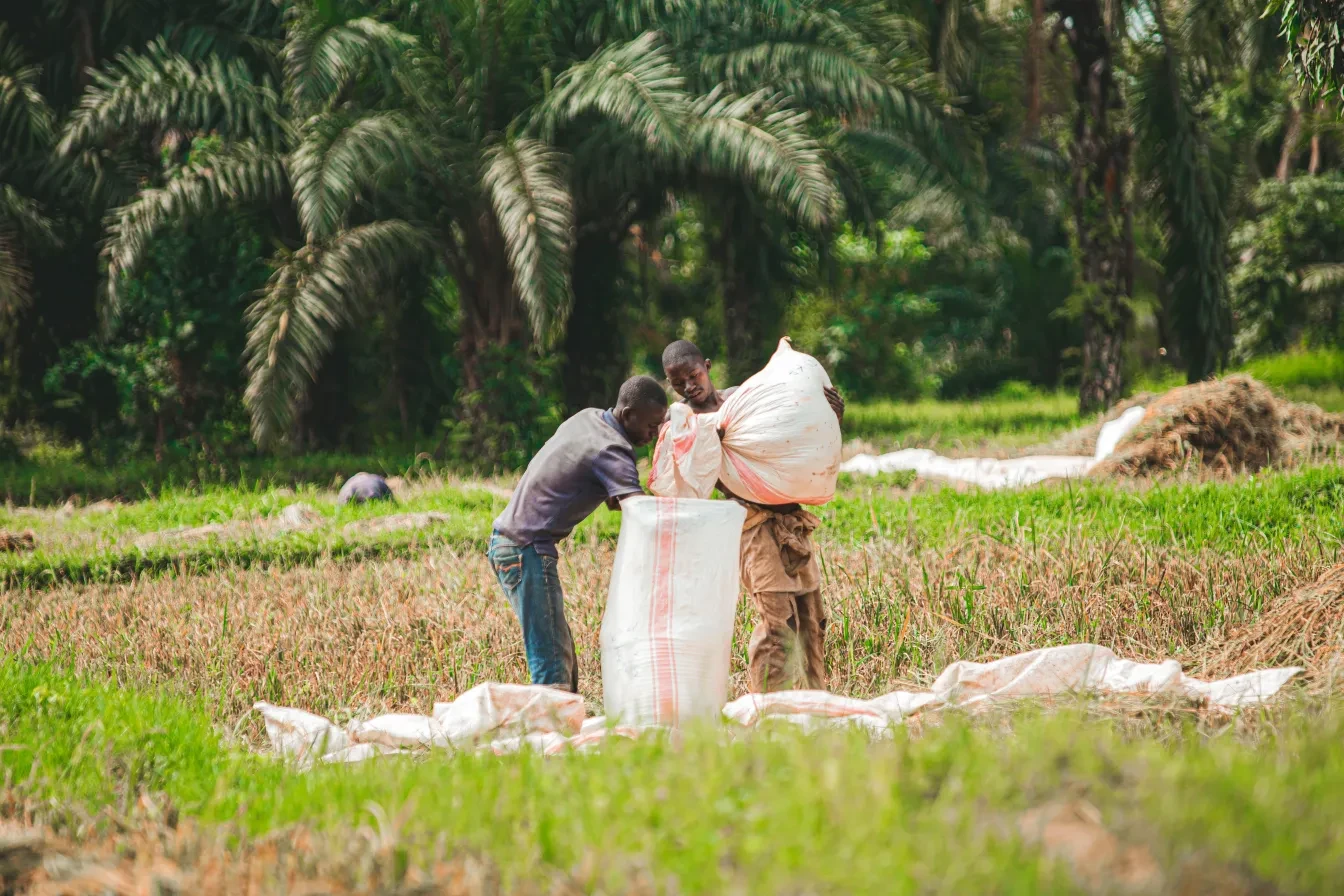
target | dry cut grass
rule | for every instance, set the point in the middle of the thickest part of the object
(353, 639)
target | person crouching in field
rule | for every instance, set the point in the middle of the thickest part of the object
(779, 564)
(589, 460)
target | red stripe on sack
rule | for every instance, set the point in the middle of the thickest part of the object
(660, 615)
(761, 492)
(682, 444)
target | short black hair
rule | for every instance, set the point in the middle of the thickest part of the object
(683, 351)
(640, 392)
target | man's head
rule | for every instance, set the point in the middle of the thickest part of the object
(687, 371)
(640, 408)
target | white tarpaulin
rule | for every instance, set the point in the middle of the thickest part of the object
(507, 718)
(993, 473)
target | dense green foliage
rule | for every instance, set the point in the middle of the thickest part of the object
(1313, 31)
(330, 224)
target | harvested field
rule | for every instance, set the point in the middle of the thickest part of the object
(397, 635)
(129, 674)
(1304, 627)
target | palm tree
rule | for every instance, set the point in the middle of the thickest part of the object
(1103, 219)
(854, 68)
(1188, 178)
(26, 138)
(448, 134)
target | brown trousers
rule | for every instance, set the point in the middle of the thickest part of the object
(781, 575)
(786, 650)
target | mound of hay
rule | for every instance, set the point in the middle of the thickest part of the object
(1307, 429)
(1229, 425)
(1302, 628)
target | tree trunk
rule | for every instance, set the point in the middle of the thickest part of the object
(1314, 166)
(597, 339)
(1167, 340)
(1102, 217)
(492, 315)
(1290, 140)
(750, 267)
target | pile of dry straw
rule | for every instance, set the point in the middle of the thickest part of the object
(1225, 426)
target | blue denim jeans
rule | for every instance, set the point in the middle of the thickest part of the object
(532, 584)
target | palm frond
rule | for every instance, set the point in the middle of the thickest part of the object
(321, 58)
(636, 84)
(16, 281)
(1179, 157)
(955, 188)
(312, 293)
(160, 88)
(336, 158)
(245, 173)
(25, 218)
(26, 121)
(831, 75)
(1322, 278)
(529, 191)
(758, 139)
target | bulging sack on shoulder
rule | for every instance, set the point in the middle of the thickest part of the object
(781, 440)
(668, 627)
(687, 457)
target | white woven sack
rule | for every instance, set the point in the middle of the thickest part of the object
(668, 627)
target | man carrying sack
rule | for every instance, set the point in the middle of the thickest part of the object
(779, 566)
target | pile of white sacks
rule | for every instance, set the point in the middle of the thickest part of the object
(506, 718)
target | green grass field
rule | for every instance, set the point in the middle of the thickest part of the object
(933, 811)
(132, 659)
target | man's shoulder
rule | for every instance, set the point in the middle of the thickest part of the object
(595, 429)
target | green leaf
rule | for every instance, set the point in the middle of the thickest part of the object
(763, 142)
(529, 191)
(160, 88)
(336, 158)
(636, 84)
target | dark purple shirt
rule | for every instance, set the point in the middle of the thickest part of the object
(587, 461)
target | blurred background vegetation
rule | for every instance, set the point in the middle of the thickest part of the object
(232, 228)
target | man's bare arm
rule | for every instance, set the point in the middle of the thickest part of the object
(615, 503)
(836, 402)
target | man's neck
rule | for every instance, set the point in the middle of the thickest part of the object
(709, 406)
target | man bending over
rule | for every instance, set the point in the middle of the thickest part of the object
(779, 564)
(589, 460)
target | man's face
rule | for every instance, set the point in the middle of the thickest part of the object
(690, 380)
(642, 424)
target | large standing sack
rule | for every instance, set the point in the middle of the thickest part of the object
(780, 444)
(668, 627)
